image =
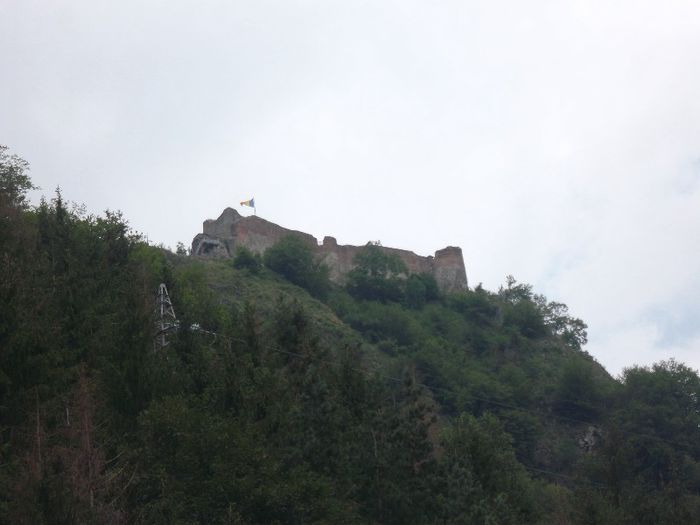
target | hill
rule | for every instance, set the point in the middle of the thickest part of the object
(283, 397)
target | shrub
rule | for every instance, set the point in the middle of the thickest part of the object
(244, 258)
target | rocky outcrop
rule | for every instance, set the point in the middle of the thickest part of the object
(221, 237)
(590, 439)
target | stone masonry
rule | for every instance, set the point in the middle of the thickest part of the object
(221, 237)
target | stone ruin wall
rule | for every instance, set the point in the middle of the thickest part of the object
(221, 237)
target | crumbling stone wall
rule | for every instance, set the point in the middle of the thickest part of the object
(221, 237)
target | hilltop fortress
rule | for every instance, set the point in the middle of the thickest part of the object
(221, 237)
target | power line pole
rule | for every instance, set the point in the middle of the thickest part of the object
(166, 322)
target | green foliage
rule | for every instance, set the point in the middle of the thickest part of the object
(72, 313)
(557, 318)
(421, 288)
(534, 317)
(577, 395)
(526, 431)
(380, 321)
(520, 310)
(477, 306)
(648, 466)
(381, 276)
(295, 413)
(213, 469)
(484, 481)
(526, 318)
(14, 180)
(245, 259)
(515, 292)
(377, 275)
(293, 258)
(375, 262)
(668, 394)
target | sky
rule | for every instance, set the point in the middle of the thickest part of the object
(557, 141)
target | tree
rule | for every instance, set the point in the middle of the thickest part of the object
(520, 310)
(650, 461)
(420, 289)
(14, 180)
(514, 293)
(484, 481)
(477, 306)
(557, 318)
(292, 258)
(404, 463)
(377, 275)
(577, 395)
(535, 317)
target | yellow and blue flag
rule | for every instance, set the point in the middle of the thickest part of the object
(250, 203)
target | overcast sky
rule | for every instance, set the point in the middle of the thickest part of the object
(556, 141)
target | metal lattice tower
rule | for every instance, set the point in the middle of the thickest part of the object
(166, 322)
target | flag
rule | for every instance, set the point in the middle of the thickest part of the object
(250, 203)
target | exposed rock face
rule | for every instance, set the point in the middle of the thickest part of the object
(221, 237)
(590, 439)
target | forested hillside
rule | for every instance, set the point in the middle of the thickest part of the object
(283, 398)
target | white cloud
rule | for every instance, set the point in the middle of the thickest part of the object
(638, 345)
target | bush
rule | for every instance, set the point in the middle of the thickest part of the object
(244, 258)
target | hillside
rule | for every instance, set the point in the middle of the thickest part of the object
(284, 397)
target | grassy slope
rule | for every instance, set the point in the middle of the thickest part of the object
(236, 288)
